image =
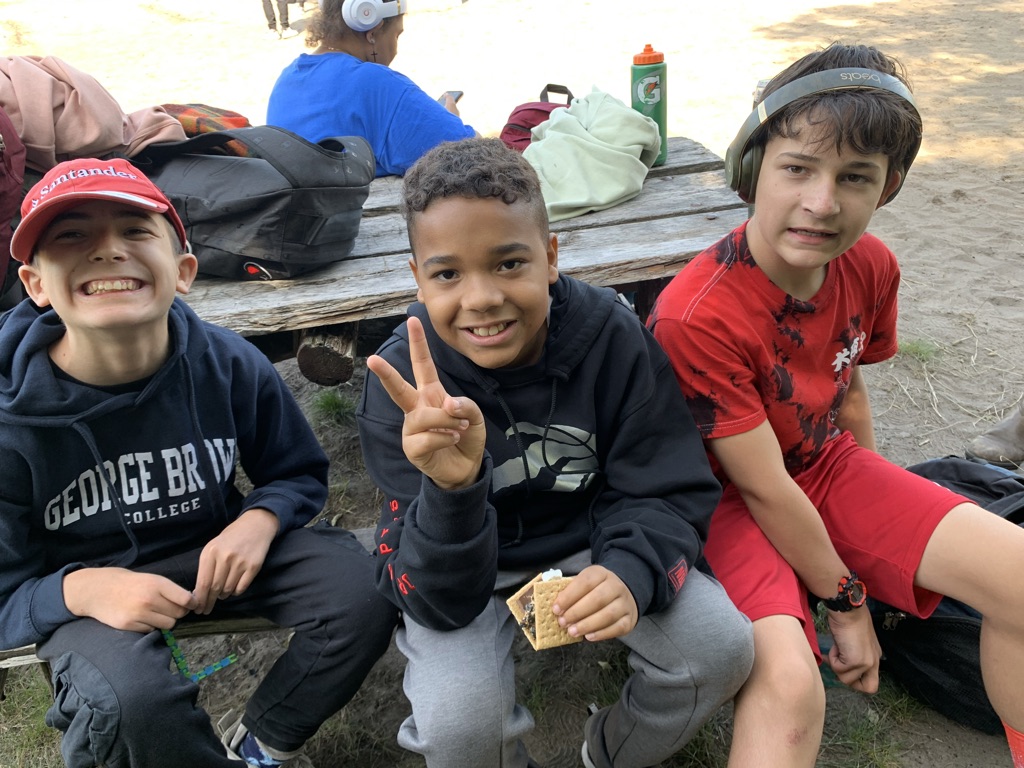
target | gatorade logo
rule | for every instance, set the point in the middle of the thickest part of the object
(648, 89)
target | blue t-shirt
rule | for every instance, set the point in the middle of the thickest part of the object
(319, 96)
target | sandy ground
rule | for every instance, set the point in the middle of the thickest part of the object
(956, 226)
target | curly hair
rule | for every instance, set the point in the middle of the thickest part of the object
(472, 168)
(865, 120)
(327, 23)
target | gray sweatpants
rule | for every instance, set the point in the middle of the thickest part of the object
(687, 661)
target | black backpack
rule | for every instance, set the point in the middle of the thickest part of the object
(937, 659)
(287, 208)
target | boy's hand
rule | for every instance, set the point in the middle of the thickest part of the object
(855, 653)
(443, 436)
(123, 599)
(229, 562)
(596, 605)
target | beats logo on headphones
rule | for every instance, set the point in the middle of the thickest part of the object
(743, 161)
(364, 15)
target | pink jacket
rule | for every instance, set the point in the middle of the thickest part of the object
(62, 113)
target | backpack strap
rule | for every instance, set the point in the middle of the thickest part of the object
(555, 88)
(282, 149)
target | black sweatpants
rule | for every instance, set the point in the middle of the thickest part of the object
(120, 704)
(282, 12)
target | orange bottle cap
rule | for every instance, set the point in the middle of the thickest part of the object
(649, 56)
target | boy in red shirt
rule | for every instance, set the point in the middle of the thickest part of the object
(766, 331)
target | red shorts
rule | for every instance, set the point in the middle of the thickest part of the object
(879, 517)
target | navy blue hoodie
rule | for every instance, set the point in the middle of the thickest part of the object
(592, 447)
(93, 476)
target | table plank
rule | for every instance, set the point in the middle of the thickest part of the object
(684, 207)
(383, 286)
(662, 197)
(684, 156)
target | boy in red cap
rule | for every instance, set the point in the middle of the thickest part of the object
(122, 416)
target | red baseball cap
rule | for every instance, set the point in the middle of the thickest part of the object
(67, 184)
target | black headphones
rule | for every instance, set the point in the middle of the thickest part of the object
(743, 162)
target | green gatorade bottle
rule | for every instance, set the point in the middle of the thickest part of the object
(649, 90)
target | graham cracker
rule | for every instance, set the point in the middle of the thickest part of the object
(531, 606)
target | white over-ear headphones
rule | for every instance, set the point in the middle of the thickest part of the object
(364, 15)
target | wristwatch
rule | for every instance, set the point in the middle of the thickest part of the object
(851, 594)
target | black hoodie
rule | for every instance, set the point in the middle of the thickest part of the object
(592, 447)
(94, 476)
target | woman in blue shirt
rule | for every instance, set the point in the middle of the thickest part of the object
(346, 87)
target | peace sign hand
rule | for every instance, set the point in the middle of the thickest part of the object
(442, 436)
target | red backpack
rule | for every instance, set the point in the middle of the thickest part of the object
(516, 132)
(12, 177)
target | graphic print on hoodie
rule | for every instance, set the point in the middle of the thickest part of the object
(122, 476)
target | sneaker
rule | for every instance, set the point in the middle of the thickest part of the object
(288, 32)
(272, 34)
(231, 732)
(593, 722)
(242, 745)
(585, 754)
(1002, 444)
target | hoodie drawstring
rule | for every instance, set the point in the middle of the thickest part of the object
(122, 515)
(210, 471)
(526, 464)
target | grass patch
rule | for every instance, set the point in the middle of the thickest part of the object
(898, 705)
(332, 405)
(710, 747)
(25, 739)
(922, 350)
(866, 735)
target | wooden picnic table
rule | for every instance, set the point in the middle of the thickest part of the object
(684, 207)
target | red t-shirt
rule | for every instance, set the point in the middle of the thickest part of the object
(744, 350)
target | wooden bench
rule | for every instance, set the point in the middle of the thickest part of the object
(18, 657)
(636, 246)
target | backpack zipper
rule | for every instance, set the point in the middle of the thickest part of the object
(892, 618)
